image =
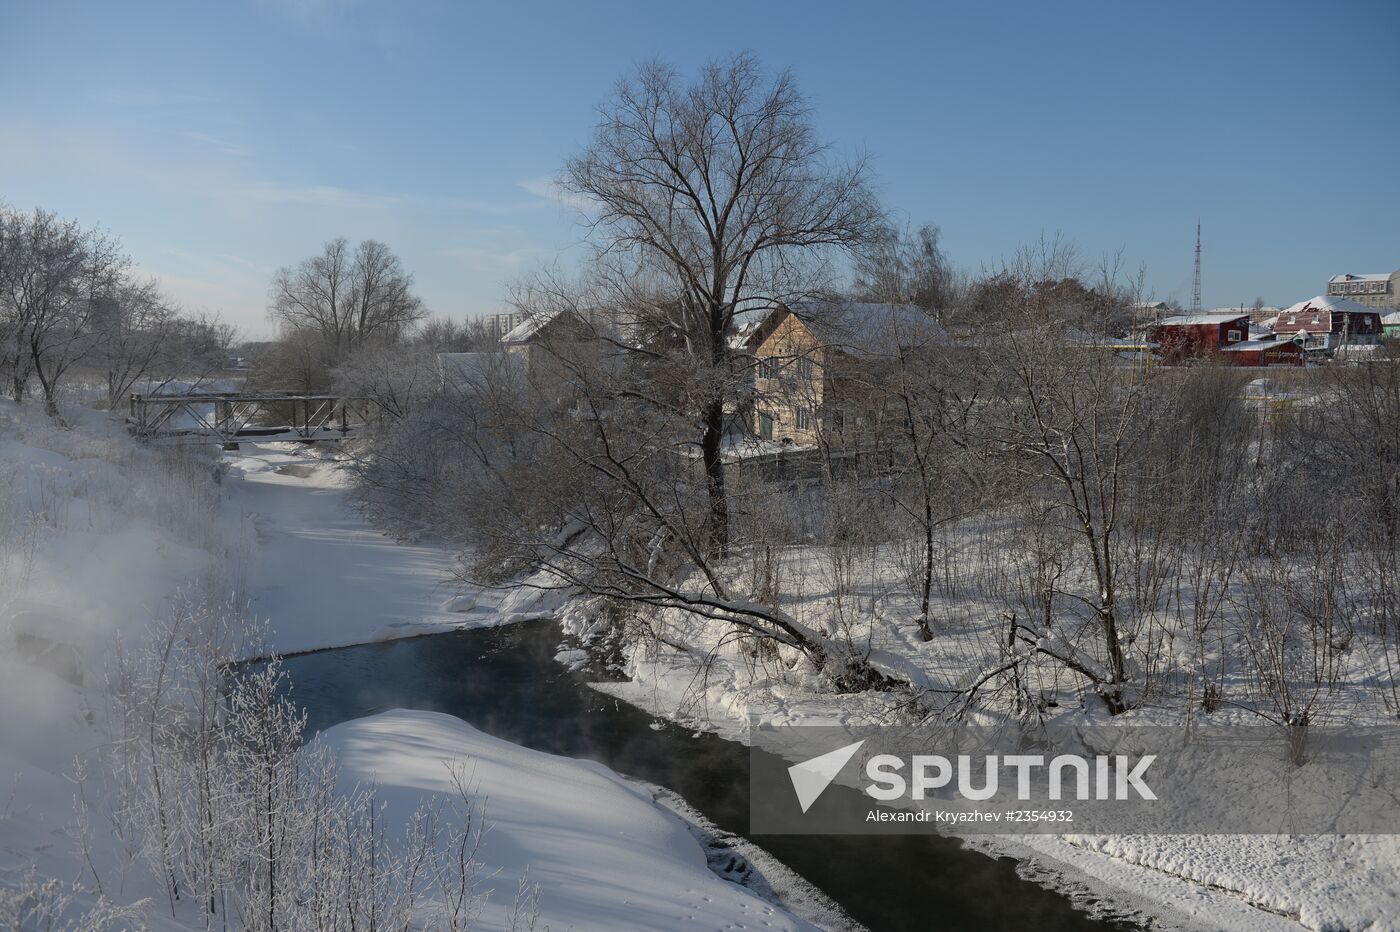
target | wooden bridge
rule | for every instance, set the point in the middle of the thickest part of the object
(228, 417)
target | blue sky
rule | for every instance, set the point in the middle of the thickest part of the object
(221, 140)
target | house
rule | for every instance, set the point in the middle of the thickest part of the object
(1375, 290)
(1390, 326)
(1193, 336)
(1326, 322)
(809, 359)
(1146, 313)
(498, 325)
(552, 346)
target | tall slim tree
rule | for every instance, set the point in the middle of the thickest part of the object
(718, 194)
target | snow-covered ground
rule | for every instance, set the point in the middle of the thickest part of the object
(1231, 882)
(604, 855)
(97, 537)
(323, 577)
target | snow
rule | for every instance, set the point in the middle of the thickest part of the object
(1327, 303)
(1189, 320)
(1223, 882)
(113, 539)
(605, 855)
(115, 535)
(528, 328)
(1369, 277)
(319, 573)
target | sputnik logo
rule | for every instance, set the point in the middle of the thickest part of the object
(811, 777)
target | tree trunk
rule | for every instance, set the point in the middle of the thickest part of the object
(924, 630)
(714, 480)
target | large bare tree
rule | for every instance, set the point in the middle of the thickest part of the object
(55, 276)
(718, 193)
(344, 298)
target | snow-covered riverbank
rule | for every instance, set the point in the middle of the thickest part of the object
(97, 539)
(1242, 883)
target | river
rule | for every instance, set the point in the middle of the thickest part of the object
(506, 682)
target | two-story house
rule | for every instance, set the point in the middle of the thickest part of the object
(1327, 322)
(812, 362)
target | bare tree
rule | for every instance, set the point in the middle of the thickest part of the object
(54, 277)
(1069, 422)
(345, 298)
(904, 267)
(721, 192)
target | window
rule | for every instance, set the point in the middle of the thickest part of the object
(765, 426)
(767, 367)
(1233, 336)
(804, 369)
(804, 418)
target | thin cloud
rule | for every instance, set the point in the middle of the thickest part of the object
(479, 258)
(319, 196)
(222, 146)
(154, 98)
(549, 189)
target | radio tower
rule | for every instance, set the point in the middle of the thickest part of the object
(1196, 281)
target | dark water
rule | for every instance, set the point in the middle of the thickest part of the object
(505, 681)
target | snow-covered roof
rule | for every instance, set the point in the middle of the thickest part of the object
(1369, 277)
(1212, 317)
(1327, 302)
(1360, 349)
(528, 328)
(866, 328)
(1254, 345)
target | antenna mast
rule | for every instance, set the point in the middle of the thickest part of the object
(1196, 282)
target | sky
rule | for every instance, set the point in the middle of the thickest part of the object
(223, 140)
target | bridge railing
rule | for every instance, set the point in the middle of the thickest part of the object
(228, 417)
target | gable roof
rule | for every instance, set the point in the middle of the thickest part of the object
(1191, 320)
(1329, 303)
(529, 328)
(858, 328)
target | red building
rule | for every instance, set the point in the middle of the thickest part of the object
(1327, 322)
(1264, 353)
(1188, 336)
